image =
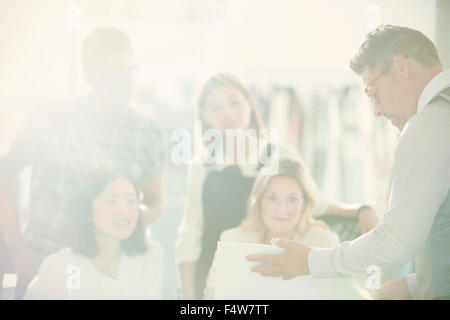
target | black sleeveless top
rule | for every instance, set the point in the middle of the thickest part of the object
(224, 198)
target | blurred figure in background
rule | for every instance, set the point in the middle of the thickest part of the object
(64, 141)
(111, 254)
(280, 205)
(218, 192)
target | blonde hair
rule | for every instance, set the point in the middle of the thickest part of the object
(286, 168)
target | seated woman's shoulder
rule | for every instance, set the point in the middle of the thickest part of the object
(239, 234)
(60, 263)
(65, 255)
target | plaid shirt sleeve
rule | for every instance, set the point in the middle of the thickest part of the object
(24, 147)
(152, 149)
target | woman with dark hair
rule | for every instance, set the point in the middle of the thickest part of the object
(110, 256)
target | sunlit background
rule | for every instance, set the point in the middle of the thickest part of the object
(292, 54)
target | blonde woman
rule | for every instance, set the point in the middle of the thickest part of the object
(281, 205)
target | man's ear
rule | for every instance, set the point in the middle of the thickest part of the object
(400, 67)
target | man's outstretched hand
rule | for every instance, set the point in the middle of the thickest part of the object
(292, 263)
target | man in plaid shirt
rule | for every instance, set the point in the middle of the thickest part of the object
(66, 141)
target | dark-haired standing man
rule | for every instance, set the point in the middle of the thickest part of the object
(405, 80)
(66, 141)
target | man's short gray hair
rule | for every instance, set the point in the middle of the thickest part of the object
(387, 41)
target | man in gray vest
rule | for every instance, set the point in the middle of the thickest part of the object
(405, 80)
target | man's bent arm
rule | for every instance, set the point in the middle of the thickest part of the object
(421, 182)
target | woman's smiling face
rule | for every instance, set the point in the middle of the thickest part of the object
(115, 211)
(282, 205)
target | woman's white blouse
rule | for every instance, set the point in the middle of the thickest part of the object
(67, 275)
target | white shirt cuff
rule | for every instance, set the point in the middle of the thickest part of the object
(320, 262)
(411, 281)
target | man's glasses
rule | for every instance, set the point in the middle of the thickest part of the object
(369, 89)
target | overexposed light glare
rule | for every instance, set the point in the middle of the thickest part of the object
(194, 37)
